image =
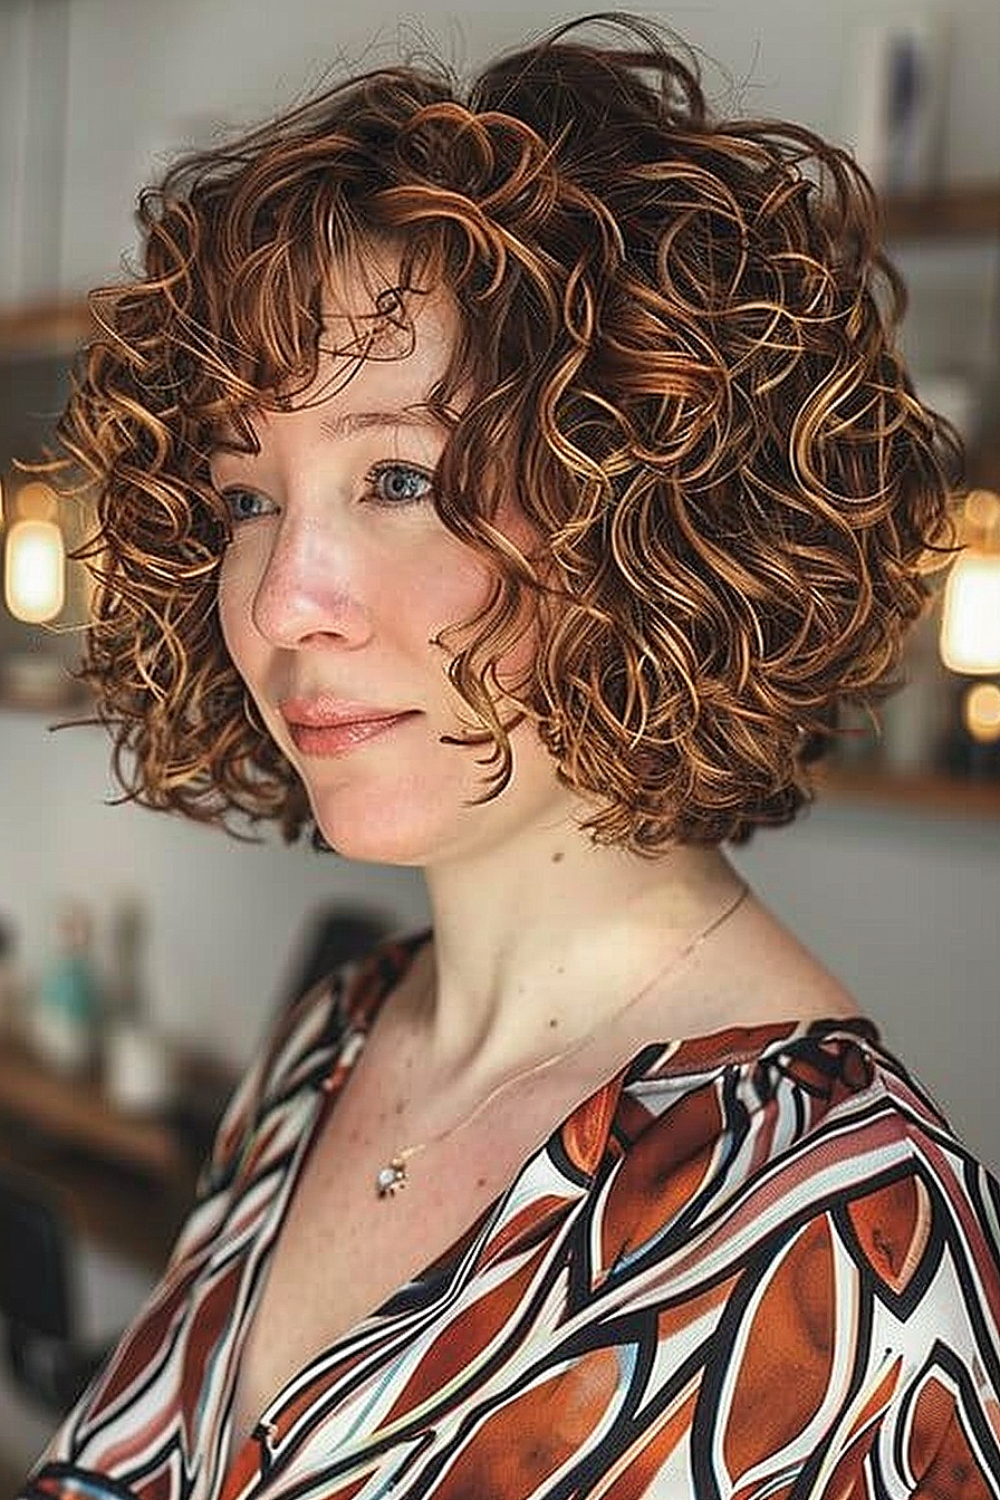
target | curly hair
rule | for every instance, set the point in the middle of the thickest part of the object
(677, 352)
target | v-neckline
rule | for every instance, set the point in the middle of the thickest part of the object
(360, 1016)
(585, 1128)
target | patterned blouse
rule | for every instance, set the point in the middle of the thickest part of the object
(756, 1265)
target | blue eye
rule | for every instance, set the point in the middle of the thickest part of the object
(399, 484)
(245, 505)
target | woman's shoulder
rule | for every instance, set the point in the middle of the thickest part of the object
(797, 1187)
(751, 1134)
(802, 1079)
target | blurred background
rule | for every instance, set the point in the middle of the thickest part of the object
(140, 958)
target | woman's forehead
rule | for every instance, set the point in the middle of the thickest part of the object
(376, 280)
(384, 319)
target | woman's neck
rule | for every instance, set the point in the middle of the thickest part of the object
(535, 958)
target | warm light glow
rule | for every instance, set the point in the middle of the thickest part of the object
(35, 571)
(970, 623)
(982, 513)
(36, 502)
(981, 712)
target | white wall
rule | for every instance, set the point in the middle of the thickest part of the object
(223, 916)
(144, 78)
(34, 45)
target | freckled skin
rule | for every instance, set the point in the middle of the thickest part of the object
(336, 587)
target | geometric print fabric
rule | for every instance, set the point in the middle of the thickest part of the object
(752, 1266)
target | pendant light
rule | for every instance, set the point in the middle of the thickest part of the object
(970, 620)
(35, 558)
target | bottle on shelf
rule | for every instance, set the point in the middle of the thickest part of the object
(138, 1064)
(65, 1014)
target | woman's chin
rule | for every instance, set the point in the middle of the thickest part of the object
(377, 834)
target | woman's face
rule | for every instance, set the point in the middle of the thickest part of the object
(338, 581)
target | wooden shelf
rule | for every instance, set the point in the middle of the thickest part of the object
(966, 211)
(41, 328)
(923, 791)
(74, 702)
(74, 1111)
(127, 1180)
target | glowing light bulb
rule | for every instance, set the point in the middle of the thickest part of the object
(981, 712)
(970, 624)
(970, 621)
(35, 571)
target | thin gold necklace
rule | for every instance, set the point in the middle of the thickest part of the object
(394, 1176)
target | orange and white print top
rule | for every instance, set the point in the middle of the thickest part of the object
(756, 1265)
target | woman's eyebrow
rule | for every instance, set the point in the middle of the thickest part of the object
(226, 440)
(350, 422)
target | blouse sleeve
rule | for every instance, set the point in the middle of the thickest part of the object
(858, 1351)
(828, 1325)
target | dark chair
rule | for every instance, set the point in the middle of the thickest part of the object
(37, 1295)
(332, 935)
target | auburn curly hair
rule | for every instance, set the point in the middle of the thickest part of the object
(677, 351)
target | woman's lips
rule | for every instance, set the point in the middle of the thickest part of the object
(329, 731)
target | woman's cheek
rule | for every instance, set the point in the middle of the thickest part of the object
(234, 600)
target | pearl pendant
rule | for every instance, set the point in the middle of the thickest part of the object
(391, 1178)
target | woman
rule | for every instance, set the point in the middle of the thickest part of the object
(513, 485)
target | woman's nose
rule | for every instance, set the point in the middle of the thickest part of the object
(309, 592)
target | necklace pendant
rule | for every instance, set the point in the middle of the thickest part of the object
(391, 1178)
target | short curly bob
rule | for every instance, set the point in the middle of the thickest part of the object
(677, 348)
